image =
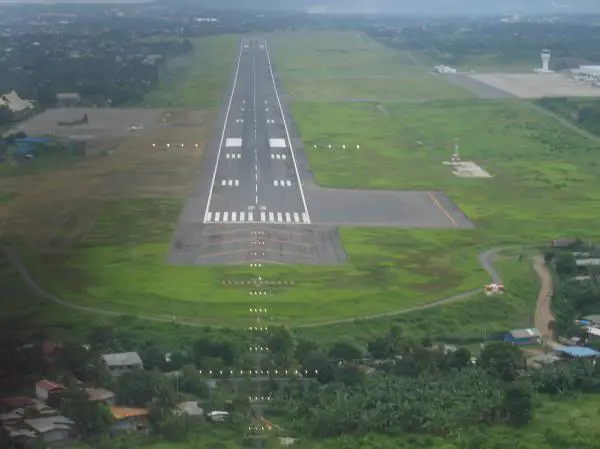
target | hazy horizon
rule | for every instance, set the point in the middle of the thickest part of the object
(423, 7)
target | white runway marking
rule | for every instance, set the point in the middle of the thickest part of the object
(305, 215)
(233, 142)
(233, 156)
(265, 217)
(214, 176)
(230, 182)
(282, 183)
(277, 143)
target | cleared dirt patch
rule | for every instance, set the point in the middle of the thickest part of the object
(56, 209)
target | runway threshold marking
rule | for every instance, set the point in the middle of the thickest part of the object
(212, 182)
(439, 205)
(287, 133)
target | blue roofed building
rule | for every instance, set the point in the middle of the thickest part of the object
(577, 352)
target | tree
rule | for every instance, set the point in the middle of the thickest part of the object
(91, 418)
(319, 362)
(192, 382)
(461, 358)
(502, 359)
(281, 343)
(350, 374)
(346, 349)
(518, 403)
(139, 387)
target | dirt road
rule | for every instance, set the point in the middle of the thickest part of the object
(543, 311)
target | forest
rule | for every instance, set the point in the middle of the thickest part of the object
(572, 44)
(390, 385)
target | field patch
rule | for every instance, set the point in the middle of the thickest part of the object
(544, 174)
(349, 66)
(384, 273)
(197, 80)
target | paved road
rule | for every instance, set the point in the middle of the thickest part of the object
(486, 258)
(255, 179)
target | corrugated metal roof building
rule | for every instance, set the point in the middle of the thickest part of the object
(523, 336)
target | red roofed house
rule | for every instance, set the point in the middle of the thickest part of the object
(44, 389)
(7, 405)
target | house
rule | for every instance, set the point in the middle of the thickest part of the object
(593, 333)
(7, 405)
(127, 418)
(591, 261)
(66, 99)
(15, 103)
(45, 389)
(190, 409)
(101, 395)
(118, 364)
(523, 336)
(577, 352)
(563, 243)
(52, 429)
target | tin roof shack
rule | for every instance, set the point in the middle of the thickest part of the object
(127, 418)
(52, 429)
(118, 364)
(7, 405)
(45, 390)
(523, 336)
(101, 395)
(576, 352)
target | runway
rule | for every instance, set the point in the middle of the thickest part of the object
(255, 177)
(256, 201)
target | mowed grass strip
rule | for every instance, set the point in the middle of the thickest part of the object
(199, 79)
(122, 266)
(337, 65)
(545, 180)
(465, 321)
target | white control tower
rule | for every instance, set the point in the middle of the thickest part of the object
(545, 55)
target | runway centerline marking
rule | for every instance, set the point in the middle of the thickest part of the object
(446, 213)
(214, 176)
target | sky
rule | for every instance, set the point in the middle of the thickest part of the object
(426, 7)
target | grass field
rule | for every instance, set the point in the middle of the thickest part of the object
(197, 80)
(120, 265)
(545, 175)
(338, 66)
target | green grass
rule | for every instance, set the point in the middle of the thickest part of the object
(466, 321)
(544, 187)
(7, 197)
(335, 65)
(131, 275)
(47, 158)
(197, 80)
(545, 177)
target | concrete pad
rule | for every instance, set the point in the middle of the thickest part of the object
(277, 143)
(538, 85)
(402, 209)
(467, 169)
(232, 142)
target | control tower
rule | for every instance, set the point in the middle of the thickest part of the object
(545, 55)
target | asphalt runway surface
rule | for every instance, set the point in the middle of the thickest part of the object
(258, 202)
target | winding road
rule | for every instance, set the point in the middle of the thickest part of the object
(486, 259)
